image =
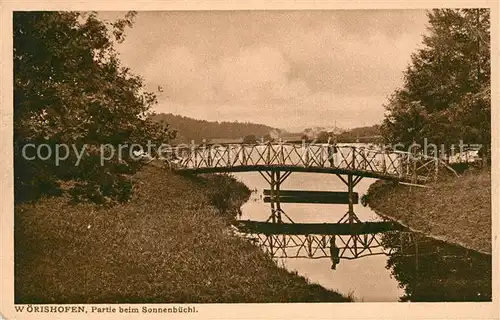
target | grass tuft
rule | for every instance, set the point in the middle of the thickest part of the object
(457, 210)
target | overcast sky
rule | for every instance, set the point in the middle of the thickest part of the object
(286, 69)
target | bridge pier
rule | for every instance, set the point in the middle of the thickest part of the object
(351, 182)
(275, 179)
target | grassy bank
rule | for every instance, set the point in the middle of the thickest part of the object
(168, 244)
(456, 210)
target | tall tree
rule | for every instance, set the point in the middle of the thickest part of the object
(70, 89)
(446, 91)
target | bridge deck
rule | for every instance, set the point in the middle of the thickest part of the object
(319, 158)
(250, 168)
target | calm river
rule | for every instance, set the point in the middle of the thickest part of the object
(438, 272)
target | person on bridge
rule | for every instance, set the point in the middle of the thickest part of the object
(332, 150)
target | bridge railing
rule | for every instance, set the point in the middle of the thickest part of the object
(320, 246)
(417, 167)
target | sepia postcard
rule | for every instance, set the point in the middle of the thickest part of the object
(250, 160)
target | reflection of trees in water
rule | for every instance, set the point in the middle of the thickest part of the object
(430, 270)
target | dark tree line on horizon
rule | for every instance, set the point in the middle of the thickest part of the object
(189, 129)
(446, 93)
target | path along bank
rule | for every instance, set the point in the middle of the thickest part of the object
(456, 210)
(169, 244)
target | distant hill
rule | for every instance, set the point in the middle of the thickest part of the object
(189, 129)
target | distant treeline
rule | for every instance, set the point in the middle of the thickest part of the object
(361, 134)
(189, 129)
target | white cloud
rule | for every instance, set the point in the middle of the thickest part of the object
(254, 75)
(278, 68)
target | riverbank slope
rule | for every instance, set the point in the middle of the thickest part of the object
(456, 210)
(169, 244)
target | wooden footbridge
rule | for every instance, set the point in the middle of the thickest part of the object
(320, 158)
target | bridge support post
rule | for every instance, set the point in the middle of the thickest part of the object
(351, 182)
(350, 188)
(275, 179)
(273, 197)
(278, 205)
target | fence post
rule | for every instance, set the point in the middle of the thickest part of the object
(307, 156)
(195, 160)
(414, 176)
(353, 161)
(436, 168)
(282, 154)
(384, 169)
(322, 157)
(209, 159)
(243, 159)
(401, 164)
(268, 153)
(363, 161)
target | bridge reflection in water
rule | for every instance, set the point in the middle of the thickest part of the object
(427, 269)
(323, 240)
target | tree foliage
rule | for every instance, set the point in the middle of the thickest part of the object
(323, 137)
(70, 89)
(446, 91)
(250, 139)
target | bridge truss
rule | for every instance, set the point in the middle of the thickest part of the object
(320, 246)
(313, 157)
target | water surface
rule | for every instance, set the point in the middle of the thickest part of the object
(418, 269)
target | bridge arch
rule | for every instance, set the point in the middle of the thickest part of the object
(318, 158)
